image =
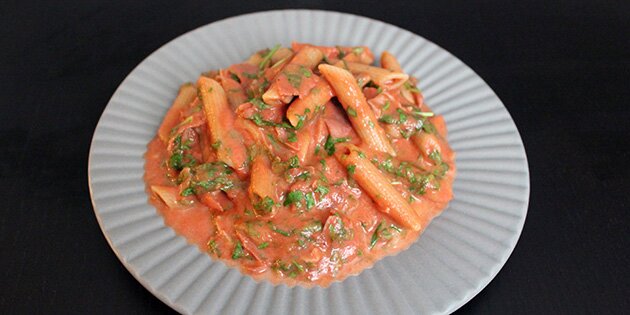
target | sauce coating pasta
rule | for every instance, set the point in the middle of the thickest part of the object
(301, 165)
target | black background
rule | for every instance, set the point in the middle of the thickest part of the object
(562, 70)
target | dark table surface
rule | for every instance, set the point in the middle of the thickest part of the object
(562, 70)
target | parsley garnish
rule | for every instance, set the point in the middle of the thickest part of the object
(351, 111)
(310, 200)
(267, 58)
(238, 251)
(292, 137)
(351, 169)
(387, 119)
(294, 162)
(259, 103)
(265, 205)
(279, 231)
(263, 245)
(294, 197)
(235, 77)
(322, 190)
(329, 146)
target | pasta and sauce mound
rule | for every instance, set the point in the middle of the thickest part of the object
(301, 165)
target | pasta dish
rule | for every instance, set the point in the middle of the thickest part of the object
(301, 165)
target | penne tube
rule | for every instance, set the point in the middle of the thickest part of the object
(261, 189)
(185, 96)
(363, 79)
(304, 108)
(361, 54)
(169, 195)
(359, 112)
(308, 57)
(389, 62)
(281, 54)
(254, 59)
(384, 78)
(220, 120)
(378, 187)
(299, 68)
(233, 90)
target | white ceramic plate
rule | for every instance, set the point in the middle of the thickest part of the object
(456, 257)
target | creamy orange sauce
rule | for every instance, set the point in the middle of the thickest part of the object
(319, 225)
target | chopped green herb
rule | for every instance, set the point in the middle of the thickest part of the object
(210, 177)
(305, 72)
(357, 50)
(304, 176)
(216, 145)
(267, 57)
(402, 117)
(294, 197)
(294, 162)
(340, 53)
(300, 123)
(235, 77)
(387, 119)
(310, 200)
(351, 111)
(386, 105)
(322, 190)
(351, 169)
(312, 228)
(263, 245)
(299, 267)
(238, 251)
(323, 163)
(375, 235)
(259, 121)
(179, 159)
(188, 191)
(329, 146)
(379, 90)
(407, 85)
(292, 137)
(419, 113)
(338, 231)
(361, 154)
(265, 205)
(279, 231)
(214, 248)
(259, 103)
(428, 127)
(294, 79)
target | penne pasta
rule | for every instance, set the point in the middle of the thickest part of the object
(296, 77)
(169, 195)
(261, 192)
(359, 112)
(220, 120)
(185, 96)
(377, 186)
(384, 78)
(361, 54)
(389, 62)
(304, 108)
(233, 89)
(301, 165)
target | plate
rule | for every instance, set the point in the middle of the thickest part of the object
(456, 257)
